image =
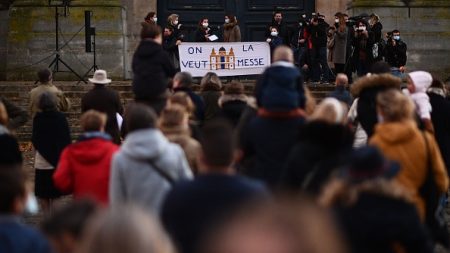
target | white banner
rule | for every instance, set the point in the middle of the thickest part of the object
(225, 59)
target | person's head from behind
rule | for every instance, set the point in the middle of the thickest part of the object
(124, 229)
(331, 111)
(139, 117)
(48, 102)
(13, 192)
(218, 149)
(341, 80)
(183, 99)
(66, 225)
(283, 53)
(174, 115)
(151, 32)
(93, 121)
(211, 80)
(394, 106)
(182, 80)
(44, 76)
(291, 226)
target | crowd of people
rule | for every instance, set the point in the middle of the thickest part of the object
(350, 45)
(224, 171)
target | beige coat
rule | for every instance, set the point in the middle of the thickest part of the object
(190, 146)
(403, 142)
(63, 103)
(231, 33)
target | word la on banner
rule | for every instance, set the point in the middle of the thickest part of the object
(225, 59)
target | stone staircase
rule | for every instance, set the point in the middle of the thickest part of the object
(17, 92)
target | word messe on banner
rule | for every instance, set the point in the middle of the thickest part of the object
(225, 59)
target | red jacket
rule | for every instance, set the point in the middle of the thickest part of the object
(84, 169)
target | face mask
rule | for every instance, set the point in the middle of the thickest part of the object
(274, 34)
(175, 22)
(205, 25)
(155, 20)
(227, 20)
(396, 37)
(300, 24)
(336, 20)
(303, 16)
(362, 28)
(31, 206)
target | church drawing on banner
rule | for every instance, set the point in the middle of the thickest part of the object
(222, 60)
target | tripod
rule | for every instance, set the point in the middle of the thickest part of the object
(54, 65)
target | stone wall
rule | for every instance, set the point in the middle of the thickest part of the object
(31, 38)
(424, 26)
(4, 17)
(135, 13)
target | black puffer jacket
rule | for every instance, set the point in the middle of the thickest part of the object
(321, 148)
(151, 69)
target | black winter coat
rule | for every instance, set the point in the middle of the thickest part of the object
(232, 111)
(376, 223)
(104, 100)
(151, 69)
(321, 149)
(51, 134)
(440, 116)
(396, 55)
(319, 35)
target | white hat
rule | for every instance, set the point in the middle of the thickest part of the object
(421, 79)
(100, 77)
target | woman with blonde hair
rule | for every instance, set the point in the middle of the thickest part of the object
(174, 123)
(3, 119)
(124, 229)
(399, 138)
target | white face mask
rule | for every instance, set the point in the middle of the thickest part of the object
(274, 34)
(227, 20)
(175, 22)
(303, 16)
(205, 25)
(155, 19)
(362, 28)
(336, 20)
(396, 37)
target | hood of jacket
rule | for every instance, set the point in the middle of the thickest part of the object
(422, 80)
(90, 150)
(148, 48)
(396, 132)
(145, 144)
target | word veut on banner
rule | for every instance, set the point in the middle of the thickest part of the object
(225, 59)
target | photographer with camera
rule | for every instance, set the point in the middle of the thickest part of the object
(363, 43)
(318, 31)
(395, 53)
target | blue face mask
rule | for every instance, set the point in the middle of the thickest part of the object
(397, 37)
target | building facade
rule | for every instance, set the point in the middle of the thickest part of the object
(27, 29)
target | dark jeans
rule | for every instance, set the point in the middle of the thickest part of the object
(362, 67)
(319, 64)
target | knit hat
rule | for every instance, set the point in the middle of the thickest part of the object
(9, 150)
(421, 80)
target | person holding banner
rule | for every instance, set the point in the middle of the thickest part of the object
(204, 32)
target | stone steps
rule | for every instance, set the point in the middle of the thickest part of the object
(18, 93)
